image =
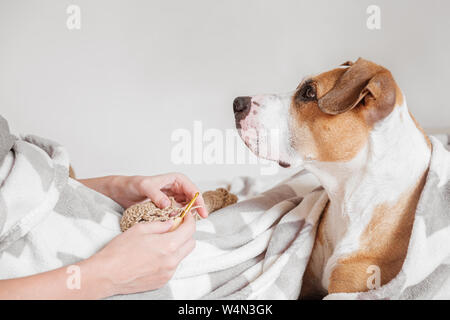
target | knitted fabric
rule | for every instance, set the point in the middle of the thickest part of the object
(148, 212)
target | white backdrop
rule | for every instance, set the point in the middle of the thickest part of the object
(114, 91)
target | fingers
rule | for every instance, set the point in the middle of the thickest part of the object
(189, 190)
(156, 227)
(158, 188)
(202, 210)
(183, 233)
(154, 193)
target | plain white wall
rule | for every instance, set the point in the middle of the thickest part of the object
(114, 91)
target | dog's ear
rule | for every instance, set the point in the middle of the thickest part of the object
(361, 79)
(347, 64)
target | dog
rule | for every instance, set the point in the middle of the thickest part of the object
(351, 128)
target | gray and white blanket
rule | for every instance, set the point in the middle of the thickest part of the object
(256, 249)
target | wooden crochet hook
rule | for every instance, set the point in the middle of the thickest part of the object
(178, 220)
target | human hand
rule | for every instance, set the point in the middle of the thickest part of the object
(127, 190)
(158, 189)
(144, 257)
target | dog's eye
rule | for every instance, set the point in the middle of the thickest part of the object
(307, 92)
(310, 92)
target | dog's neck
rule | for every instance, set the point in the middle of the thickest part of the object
(393, 161)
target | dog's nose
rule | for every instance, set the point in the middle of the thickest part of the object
(242, 104)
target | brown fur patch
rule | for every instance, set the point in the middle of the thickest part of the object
(427, 139)
(331, 138)
(71, 172)
(311, 280)
(399, 97)
(384, 243)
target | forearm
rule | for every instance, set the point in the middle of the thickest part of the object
(101, 184)
(108, 185)
(60, 283)
(122, 189)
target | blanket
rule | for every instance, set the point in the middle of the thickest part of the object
(256, 249)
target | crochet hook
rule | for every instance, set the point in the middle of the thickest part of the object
(189, 206)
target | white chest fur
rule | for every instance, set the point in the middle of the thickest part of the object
(393, 160)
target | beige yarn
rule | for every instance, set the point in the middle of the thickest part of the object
(148, 212)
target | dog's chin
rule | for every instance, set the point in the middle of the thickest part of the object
(255, 149)
(283, 164)
(253, 145)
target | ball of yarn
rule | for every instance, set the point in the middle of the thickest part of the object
(148, 212)
(218, 199)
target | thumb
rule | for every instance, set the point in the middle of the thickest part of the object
(158, 198)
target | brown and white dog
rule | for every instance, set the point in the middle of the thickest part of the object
(352, 129)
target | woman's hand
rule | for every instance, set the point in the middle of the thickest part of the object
(140, 259)
(130, 190)
(145, 256)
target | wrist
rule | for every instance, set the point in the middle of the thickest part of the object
(113, 185)
(94, 279)
(105, 185)
(116, 187)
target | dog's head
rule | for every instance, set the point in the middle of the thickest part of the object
(327, 118)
